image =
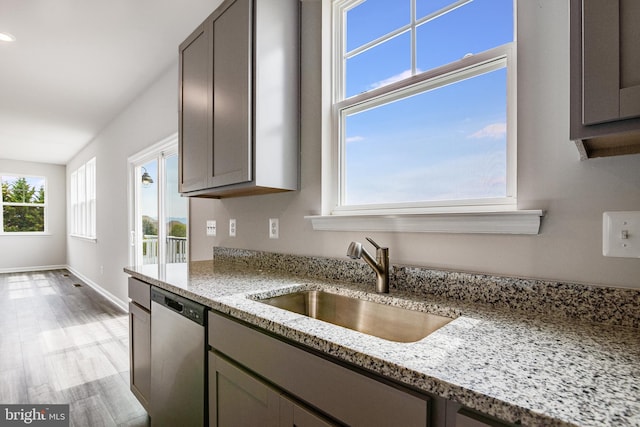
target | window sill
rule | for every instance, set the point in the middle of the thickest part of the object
(496, 222)
(88, 239)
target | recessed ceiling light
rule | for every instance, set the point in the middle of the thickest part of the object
(6, 37)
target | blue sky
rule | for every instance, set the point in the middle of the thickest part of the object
(176, 206)
(448, 143)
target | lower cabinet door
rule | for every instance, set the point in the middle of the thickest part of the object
(238, 399)
(140, 353)
(458, 416)
(294, 415)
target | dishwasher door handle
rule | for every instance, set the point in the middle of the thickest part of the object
(176, 305)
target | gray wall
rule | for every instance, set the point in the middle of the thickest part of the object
(149, 119)
(37, 252)
(551, 177)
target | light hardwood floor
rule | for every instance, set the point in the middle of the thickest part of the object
(65, 344)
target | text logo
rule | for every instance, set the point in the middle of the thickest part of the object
(34, 415)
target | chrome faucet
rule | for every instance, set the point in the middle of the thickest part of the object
(380, 265)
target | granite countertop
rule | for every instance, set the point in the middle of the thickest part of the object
(524, 368)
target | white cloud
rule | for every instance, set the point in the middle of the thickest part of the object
(471, 177)
(493, 131)
(403, 75)
(354, 139)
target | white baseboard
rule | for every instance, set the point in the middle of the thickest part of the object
(99, 289)
(32, 268)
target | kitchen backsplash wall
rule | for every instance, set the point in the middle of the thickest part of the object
(536, 297)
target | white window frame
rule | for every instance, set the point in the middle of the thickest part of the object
(83, 200)
(466, 216)
(43, 205)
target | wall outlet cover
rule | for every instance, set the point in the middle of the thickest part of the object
(232, 228)
(274, 228)
(211, 227)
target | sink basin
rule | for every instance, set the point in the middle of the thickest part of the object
(381, 320)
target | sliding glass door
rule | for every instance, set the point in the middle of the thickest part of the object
(159, 217)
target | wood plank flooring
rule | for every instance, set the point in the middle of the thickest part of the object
(65, 344)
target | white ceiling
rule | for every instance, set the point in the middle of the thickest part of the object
(76, 64)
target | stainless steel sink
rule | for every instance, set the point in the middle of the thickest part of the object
(381, 320)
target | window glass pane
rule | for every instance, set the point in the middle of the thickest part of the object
(23, 218)
(448, 143)
(372, 19)
(175, 214)
(471, 28)
(16, 192)
(83, 200)
(149, 209)
(73, 191)
(427, 7)
(91, 197)
(23, 189)
(379, 66)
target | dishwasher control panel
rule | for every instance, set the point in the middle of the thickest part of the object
(179, 304)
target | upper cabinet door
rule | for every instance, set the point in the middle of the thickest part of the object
(193, 106)
(611, 60)
(605, 77)
(629, 58)
(232, 107)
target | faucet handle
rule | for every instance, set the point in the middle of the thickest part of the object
(374, 243)
(355, 250)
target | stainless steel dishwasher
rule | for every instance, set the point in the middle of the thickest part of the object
(177, 360)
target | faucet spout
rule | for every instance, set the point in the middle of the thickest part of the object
(380, 265)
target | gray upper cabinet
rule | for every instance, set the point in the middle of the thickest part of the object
(605, 77)
(194, 111)
(239, 101)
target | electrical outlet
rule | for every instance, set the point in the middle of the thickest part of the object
(274, 228)
(232, 228)
(211, 227)
(621, 234)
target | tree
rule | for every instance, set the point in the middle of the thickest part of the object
(21, 218)
(149, 226)
(177, 229)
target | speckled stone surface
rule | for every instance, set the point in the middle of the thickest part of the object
(501, 355)
(617, 306)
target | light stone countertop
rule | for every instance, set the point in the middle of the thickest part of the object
(527, 369)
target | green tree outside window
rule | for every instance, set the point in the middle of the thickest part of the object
(23, 204)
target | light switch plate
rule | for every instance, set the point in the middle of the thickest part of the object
(621, 234)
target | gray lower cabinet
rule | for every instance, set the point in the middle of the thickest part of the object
(336, 393)
(140, 340)
(296, 415)
(458, 416)
(237, 398)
